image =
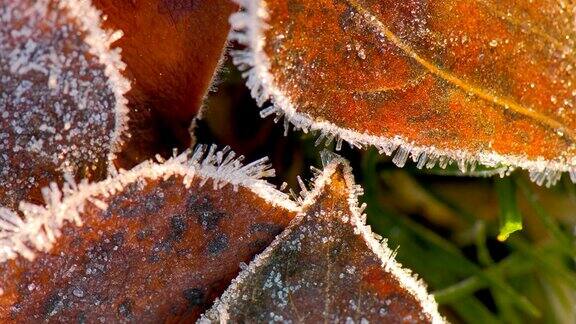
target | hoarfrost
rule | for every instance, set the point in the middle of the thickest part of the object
(60, 94)
(254, 27)
(38, 227)
(325, 269)
(150, 248)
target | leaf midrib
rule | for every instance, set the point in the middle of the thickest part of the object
(463, 85)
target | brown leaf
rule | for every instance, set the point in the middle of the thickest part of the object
(327, 266)
(61, 96)
(172, 49)
(153, 245)
(489, 82)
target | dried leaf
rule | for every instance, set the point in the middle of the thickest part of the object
(153, 245)
(172, 49)
(489, 82)
(61, 96)
(327, 266)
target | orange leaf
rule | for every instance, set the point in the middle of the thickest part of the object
(327, 266)
(153, 245)
(172, 49)
(489, 82)
(61, 96)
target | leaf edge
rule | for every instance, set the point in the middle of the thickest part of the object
(248, 26)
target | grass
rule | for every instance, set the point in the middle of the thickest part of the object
(473, 287)
(491, 250)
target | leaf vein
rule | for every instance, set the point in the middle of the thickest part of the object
(459, 83)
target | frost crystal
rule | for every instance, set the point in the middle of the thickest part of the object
(302, 88)
(38, 227)
(327, 266)
(61, 94)
(157, 243)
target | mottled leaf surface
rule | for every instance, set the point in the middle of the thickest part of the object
(172, 49)
(163, 249)
(326, 267)
(61, 104)
(483, 81)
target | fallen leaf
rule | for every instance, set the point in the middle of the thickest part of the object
(488, 82)
(172, 49)
(327, 266)
(147, 245)
(61, 96)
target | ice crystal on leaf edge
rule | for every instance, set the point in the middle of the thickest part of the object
(59, 41)
(38, 227)
(100, 42)
(410, 282)
(248, 27)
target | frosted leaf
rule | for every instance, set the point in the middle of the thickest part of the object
(61, 95)
(172, 49)
(490, 83)
(154, 246)
(327, 266)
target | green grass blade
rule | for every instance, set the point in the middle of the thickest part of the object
(566, 242)
(510, 217)
(513, 265)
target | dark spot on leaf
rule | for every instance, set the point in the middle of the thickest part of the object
(154, 201)
(164, 246)
(118, 239)
(175, 310)
(266, 227)
(142, 234)
(194, 296)
(117, 204)
(150, 203)
(15, 309)
(154, 258)
(258, 245)
(125, 308)
(99, 255)
(178, 224)
(81, 318)
(53, 305)
(218, 244)
(207, 216)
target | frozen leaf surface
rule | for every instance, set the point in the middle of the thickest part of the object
(157, 243)
(172, 49)
(61, 95)
(484, 81)
(327, 266)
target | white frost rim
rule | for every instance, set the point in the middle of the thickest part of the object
(376, 243)
(410, 282)
(38, 227)
(100, 41)
(248, 27)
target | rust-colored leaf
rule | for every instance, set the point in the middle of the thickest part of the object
(153, 245)
(172, 49)
(484, 81)
(61, 96)
(327, 266)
